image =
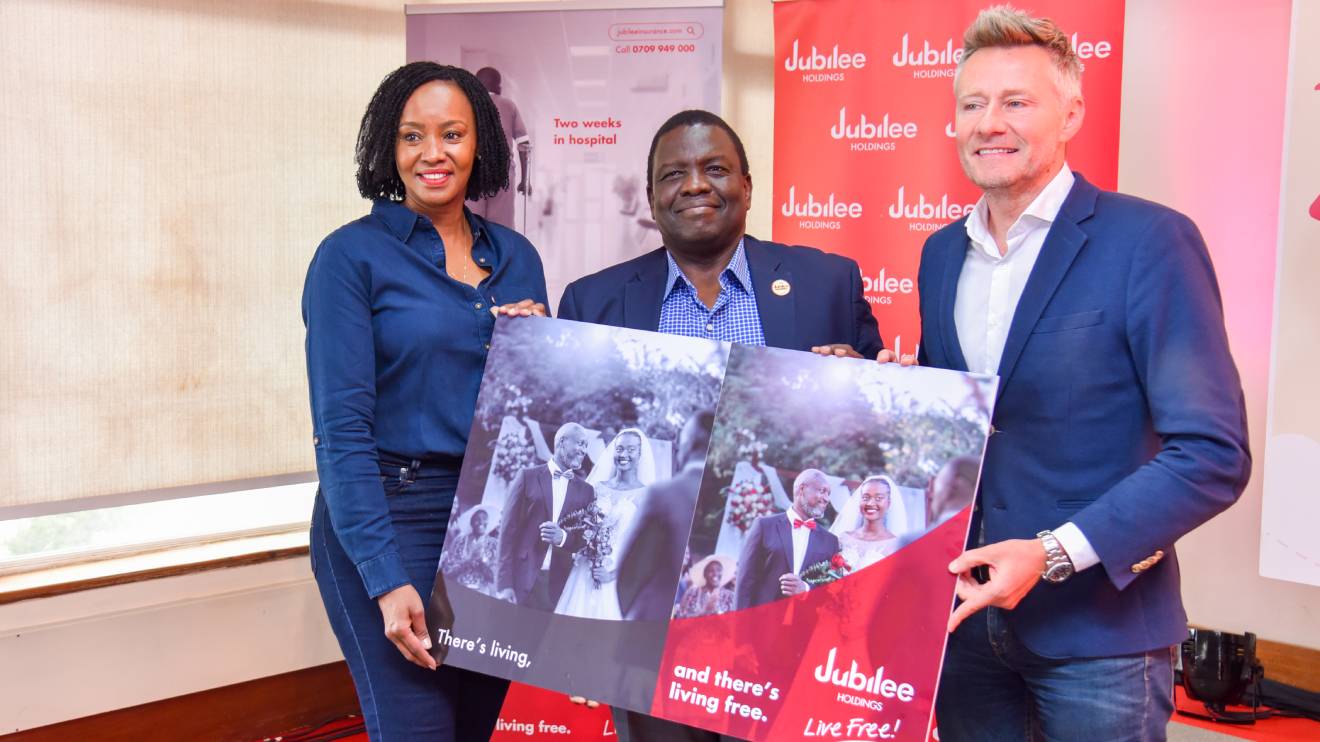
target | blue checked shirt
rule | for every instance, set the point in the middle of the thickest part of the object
(733, 319)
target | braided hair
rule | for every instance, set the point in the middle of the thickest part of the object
(377, 173)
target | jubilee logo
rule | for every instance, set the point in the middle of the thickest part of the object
(927, 55)
(926, 215)
(816, 66)
(867, 135)
(882, 288)
(1091, 49)
(939, 60)
(817, 213)
(875, 684)
(928, 61)
(831, 207)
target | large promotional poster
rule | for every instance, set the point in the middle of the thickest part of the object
(749, 540)
(580, 94)
(865, 163)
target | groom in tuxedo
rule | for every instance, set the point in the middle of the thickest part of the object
(779, 547)
(536, 554)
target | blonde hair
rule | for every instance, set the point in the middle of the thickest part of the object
(1005, 26)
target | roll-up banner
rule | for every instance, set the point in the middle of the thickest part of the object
(865, 164)
(581, 88)
(1289, 549)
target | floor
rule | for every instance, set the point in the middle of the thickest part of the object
(1181, 729)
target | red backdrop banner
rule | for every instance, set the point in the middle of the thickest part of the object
(546, 714)
(856, 659)
(865, 164)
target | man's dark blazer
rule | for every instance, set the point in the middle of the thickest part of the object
(648, 572)
(767, 553)
(1119, 410)
(824, 304)
(529, 504)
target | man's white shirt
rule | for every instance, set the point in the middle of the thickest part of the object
(989, 288)
(990, 285)
(558, 492)
(800, 537)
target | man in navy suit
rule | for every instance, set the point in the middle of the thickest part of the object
(535, 553)
(711, 279)
(1119, 424)
(779, 547)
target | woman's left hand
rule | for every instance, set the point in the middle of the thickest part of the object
(405, 625)
(524, 308)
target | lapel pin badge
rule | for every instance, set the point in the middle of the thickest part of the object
(781, 287)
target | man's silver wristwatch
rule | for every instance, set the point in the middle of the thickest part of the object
(1058, 567)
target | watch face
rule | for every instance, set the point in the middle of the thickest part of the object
(1059, 572)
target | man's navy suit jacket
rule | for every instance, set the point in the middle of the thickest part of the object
(1119, 409)
(824, 304)
(767, 553)
(529, 503)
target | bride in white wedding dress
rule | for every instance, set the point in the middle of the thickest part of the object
(620, 479)
(867, 524)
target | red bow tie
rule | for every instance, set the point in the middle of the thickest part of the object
(810, 524)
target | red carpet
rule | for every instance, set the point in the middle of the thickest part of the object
(347, 728)
(1277, 729)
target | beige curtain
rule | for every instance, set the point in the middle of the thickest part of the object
(166, 171)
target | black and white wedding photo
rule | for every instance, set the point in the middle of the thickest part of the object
(575, 426)
(616, 480)
(575, 501)
(821, 467)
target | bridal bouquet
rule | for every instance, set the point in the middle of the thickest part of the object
(825, 572)
(597, 534)
(748, 501)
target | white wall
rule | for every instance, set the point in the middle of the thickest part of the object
(89, 652)
(235, 87)
(1197, 75)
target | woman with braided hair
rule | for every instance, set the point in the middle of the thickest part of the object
(399, 307)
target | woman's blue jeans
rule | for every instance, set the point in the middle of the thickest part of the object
(401, 701)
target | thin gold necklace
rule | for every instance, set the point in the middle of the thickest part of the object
(464, 266)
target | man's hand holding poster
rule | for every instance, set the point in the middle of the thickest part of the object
(750, 540)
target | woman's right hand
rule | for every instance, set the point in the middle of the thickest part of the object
(405, 625)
